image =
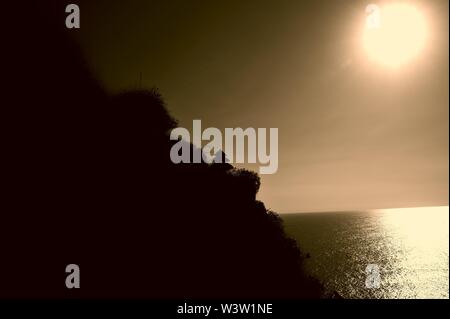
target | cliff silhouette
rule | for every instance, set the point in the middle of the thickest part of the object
(88, 180)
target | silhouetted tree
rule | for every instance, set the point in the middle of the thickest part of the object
(246, 183)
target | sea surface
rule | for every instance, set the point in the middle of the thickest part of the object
(406, 250)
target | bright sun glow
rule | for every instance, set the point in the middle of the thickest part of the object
(398, 35)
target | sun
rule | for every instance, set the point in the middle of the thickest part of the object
(396, 34)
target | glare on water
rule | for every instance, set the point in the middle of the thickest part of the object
(420, 236)
(409, 246)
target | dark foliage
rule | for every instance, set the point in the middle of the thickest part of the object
(88, 180)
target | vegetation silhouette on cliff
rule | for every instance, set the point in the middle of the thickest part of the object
(89, 181)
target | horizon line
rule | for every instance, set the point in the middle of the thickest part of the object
(359, 210)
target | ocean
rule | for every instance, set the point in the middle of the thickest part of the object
(388, 253)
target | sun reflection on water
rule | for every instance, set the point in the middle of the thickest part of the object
(419, 238)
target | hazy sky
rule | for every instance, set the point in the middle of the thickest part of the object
(353, 134)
